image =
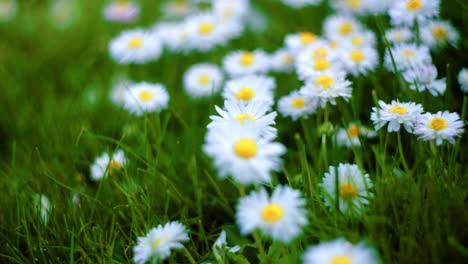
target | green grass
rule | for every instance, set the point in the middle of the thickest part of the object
(51, 132)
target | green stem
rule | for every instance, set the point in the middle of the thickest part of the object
(189, 256)
(261, 250)
(400, 149)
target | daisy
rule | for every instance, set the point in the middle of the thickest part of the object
(296, 105)
(376, 7)
(42, 207)
(118, 91)
(297, 41)
(203, 79)
(177, 8)
(463, 79)
(142, 98)
(122, 11)
(282, 61)
(175, 37)
(221, 244)
(135, 46)
(407, 12)
(360, 61)
(229, 10)
(350, 136)
(438, 33)
(244, 62)
(340, 26)
(361, 39)
(340, 251)
(160, 241)
(7, 10)
(424, 78)
(319, 50)
(396, 114)
(399, 35)
(407, 56)
(63, 13)
(280, 216)
(250, 87)
(347, 187)
(439, 127)
(105, 165)
(311, 69)
(357, 7)
(205, 31)
(239, 150)
(326, 88)
(301, 3)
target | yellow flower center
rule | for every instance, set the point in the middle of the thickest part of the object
(398, 110)
(357, 56)
(348, 191)
(205, 28)
(114, 166)
(288, 59)
(272, 213)
(146, 96)
(247, 59)
(298, 103)
(414, 5)
(398, 36)
(324, 81)
(354, 130)
(439, 32)
(356, 41)
(333, 44)
(321, 64)
(241, 118)
(204, 79)
(346, 28)
(135, 43)
(437, 124)
(156, 243)
(320, 53)
(409, 54)
(341, 260)
(353, 3)
(245, 148)
(245, 94)
(307, 37)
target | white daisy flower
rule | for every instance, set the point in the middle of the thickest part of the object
(376, 7)
(297, 41)
(360, 39)
(357, 7)
(439, 127)
(175, 37)
(228, 10)
(407, 56)
(177, 8)
(239, 150)
(399, 35)
(221, 244)
(121, 11)
(145, 97)
(311, 69)
(244, 62)
(351, 135)
(319, 50)
(347, 187)
(326, 88)
(203, 79)
(104, 165)
(407, 12)
(396, 114)
(282, 61)
(160, 241)
(250, 87)
(463, 79)
(205, 31)
(42, 207)
(359, 61)
(7, 10)
(280, 216)
(301, 3)
(237, 111)
(438, 33)
(340, 251)
(63, 13)
(340, 26)
(296, 105)
(118, 91)
(135, 46)
(423, 78)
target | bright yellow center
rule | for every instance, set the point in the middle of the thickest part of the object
(204, 79)
(298, 103)
(333, 44)
(437, 124)
(146, 96)
(346, 28)
(247, 59)
(439, 32)
(353, 3)
(409, 54)
(307, 37)
(272, 213)
(205, 28)
(156, 243)
(135, 43)
(356, 41)
(245, 94)
(245, 148)
(414, 5)
(348, 191)
(354, 130)
(321, 64)
(320, 53)
(398, 110)
(398, 36)
(114, 166)
(357, 56)
(341, 260)
(324, 81)
(241, 118)
(288, 59)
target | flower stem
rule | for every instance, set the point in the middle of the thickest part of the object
(258, 242)
(189, 256)
(400, 149)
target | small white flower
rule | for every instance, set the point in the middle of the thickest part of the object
(244, 62)
(177, 8)
(350, 136)
(118, 91)
(281, 216)
(42, 207)
(159, 242)
(104, 165)
(221, 243)
(63, 13)
(301, 3)
(205, 31)
(121, 11)
(135, 46)
(282, 61)
(348, 188)
(296, 105)
(340, 26)
(463, 79)
(407, 56)
(250, 87)
(230, 10)
(407, 12)
(144, 98)
(203, 79)
(7, 10)
(399, 35)
(423, 78)
(340, 251)
(360, 61)
(326, 88)
(439, 127)
(357, 7)
(396, 114)
(297, 41)
(438, 33)
(360, 39)
(175, 36)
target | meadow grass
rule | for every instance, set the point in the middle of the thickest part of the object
(56, 118)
